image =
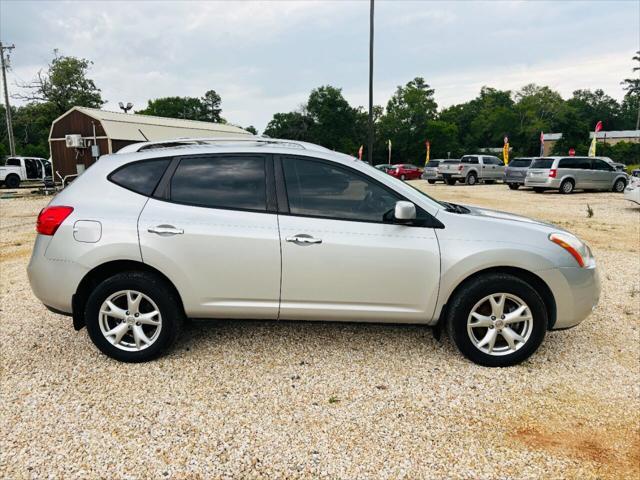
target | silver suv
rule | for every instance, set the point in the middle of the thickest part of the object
(282, 230)
(570, 173)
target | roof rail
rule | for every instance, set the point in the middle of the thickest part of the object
(181, 142)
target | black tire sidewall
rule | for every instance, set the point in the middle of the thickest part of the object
(514, 186)
(154, 288)
(469, 177)
(464, 301)
(562, 190)
(12, 181)
(615, 185)
(431, 181)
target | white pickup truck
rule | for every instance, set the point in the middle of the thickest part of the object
(20, 169)
(471, 169)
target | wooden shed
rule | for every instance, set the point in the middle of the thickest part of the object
(111, 131)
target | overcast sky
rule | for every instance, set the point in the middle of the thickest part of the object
(265, 57)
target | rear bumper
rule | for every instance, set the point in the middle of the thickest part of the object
(542, 182)
(518, 180)
(53, 281)
(576, 291)
(431, 176)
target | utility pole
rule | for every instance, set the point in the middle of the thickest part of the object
(12, 144)
(370, 142)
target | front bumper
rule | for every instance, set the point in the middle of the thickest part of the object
(576, 291)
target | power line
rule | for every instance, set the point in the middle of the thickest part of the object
(12, 145)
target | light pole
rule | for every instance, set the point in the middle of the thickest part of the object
(125, 108)
(12, 142)
(370, 142)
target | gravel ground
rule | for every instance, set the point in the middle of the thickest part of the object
(298, 400)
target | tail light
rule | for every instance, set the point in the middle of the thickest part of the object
(50, 218)
(553, 172)
(460, 167)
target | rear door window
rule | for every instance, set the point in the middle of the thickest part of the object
(141, 177)
(221, 181)
(602, 165)
(575, 163)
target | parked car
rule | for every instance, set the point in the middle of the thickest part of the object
(567, 174)
(255, 228)
(19, 169)
(473, 168)
(385, 167)
(405, 171)
(635, 172)
(516, 171)
(430, 172)
(632, 192)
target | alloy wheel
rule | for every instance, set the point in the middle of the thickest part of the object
(500, 324)
(130, 320)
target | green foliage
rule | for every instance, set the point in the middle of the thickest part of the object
(622, 152)
(251, 129)
(204, 109)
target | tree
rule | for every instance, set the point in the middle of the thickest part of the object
(443, 137)
(64, 85)
(539, 109)
(333, 119)
(188, 108)
(405, 120)
(251, 129)
(631, 103)
(291, 126)
(632, 85)
(592, 107)
(211, 107)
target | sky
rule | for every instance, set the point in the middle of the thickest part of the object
(265, 57)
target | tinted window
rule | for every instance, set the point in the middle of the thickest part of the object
(324, 190)
(432, 164)
(472, 160)
(13, 161)
(520, 163)
(602, 165)
(227, 181)
(141, 177)
(576, 163)
(542, 163)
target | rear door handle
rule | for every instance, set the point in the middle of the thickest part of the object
(165, 230)
(303, 239)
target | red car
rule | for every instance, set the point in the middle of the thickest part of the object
(405, 171)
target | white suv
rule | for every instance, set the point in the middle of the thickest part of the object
(284, 230)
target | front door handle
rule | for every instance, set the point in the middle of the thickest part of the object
(165, 230)
(303, 239)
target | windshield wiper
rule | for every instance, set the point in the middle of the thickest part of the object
(455, 208)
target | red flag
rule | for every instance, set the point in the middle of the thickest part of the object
(599, 126)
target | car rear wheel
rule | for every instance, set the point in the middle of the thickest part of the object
(431, 181)
(133, 316)
(567, 187)
(12, 181)
(402, 177)
(450, 181)
(472, 179)
(497, 320)
(514, 186)
(619, 185)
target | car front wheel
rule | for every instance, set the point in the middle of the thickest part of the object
(431, 181)
(497, 320)
(619, 185)
(133, 316)
(514, 186)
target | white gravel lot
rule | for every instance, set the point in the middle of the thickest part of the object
(254, 399)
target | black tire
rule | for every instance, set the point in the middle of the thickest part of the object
(514, 186)
(402, 177)
(566, 187)
(471, 179)
(12, 181)
(489, 182)
(462, 303)
(619, 185)
(450, 181)
(150, 285)
(538, 189)
(431, 181)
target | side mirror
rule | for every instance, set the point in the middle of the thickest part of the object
(405, 211)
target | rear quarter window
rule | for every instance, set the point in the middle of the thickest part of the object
(542, 163)
(141, 177)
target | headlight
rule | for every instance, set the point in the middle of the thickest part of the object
(576, 247)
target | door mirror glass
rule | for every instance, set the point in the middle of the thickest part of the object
(405, 211)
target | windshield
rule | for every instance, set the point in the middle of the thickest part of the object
(542, 163)
(520, 163)
(432, 164)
